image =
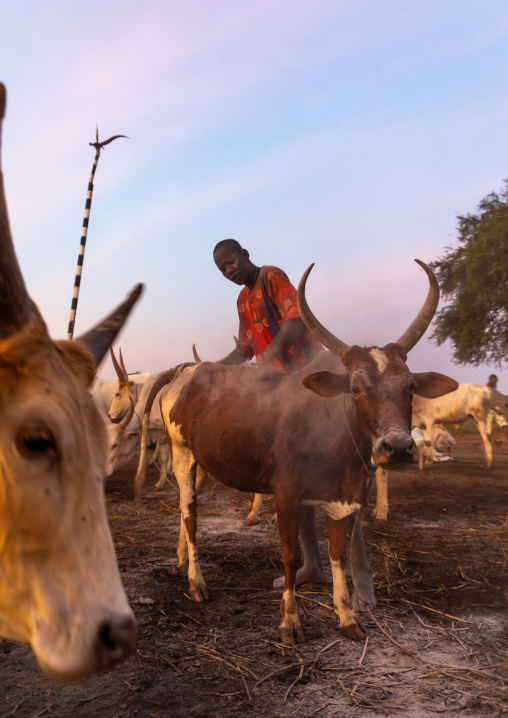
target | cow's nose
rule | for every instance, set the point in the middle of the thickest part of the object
(394, 449)
(116, 638)
(397, 445)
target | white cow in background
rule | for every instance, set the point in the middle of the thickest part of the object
(111, 394)
(128, 387)
(125, 437)
(469, 400)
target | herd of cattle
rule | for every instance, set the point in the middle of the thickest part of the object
(310, 438)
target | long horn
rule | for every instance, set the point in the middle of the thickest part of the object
(122, 364)
(195, 355)
(98, 339)
(320, 332)
(122, 377)
(127, 418)
(16, 308)
(415, 332)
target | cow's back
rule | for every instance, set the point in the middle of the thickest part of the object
(468, 400)
(241, 425)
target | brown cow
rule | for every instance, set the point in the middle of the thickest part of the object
(60, 589)
(306, 437)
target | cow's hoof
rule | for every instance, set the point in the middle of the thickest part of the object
(252, 520)
(290, 636)
(379, 521)
(182, 569)
(199, 594)
(353, 631)
(368, 599)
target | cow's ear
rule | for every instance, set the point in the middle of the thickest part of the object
(431, 384)
(327, 383)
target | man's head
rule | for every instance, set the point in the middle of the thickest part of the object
(234, 262)
(492, 380)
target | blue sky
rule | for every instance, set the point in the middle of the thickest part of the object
(349, 134)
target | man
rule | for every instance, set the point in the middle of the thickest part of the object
(271, 328)
(495, 412)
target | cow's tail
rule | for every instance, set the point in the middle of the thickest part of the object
(162, 380)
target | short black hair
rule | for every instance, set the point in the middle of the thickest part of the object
(492, 376)
(231, 243)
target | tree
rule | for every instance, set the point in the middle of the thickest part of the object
(474, 280)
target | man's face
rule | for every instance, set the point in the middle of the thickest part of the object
(492, 381)
(233, 264)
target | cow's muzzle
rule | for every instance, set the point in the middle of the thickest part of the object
(393, 449)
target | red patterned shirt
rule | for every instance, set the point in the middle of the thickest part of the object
(262, 311)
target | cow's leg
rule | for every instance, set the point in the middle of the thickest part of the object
(380, 512)
(360, 568)
(429, 443)
(487, 443)
(337, 543)
(181, 551)
(165, 465)
(257, 505)
(312, 570)
(202, 481)
(155, 456)
(290, 628)
(163, 461)
(185, 471)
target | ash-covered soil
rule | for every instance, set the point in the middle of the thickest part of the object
(441, 582)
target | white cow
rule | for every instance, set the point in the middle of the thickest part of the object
(111, 394)
(454, 408)
(125, 437)
(128, 387)
(60, 588)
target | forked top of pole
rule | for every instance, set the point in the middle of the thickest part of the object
(99, 145)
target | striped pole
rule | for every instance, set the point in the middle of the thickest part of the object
(81, 255)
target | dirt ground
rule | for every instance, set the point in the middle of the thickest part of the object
(440, 567)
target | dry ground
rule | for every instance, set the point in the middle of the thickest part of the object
(440, 574)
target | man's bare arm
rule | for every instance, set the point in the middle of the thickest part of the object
(288, 335)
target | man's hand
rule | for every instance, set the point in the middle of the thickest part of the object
(287, 336)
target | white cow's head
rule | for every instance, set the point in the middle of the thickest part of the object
(60, 589)
(123, 439)
(125, 391)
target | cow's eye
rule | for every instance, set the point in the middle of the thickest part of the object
(412, 387)
(355, 391)
(36, 443)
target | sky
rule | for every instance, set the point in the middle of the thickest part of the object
(349, 133)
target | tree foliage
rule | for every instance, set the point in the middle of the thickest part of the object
(474, 281)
